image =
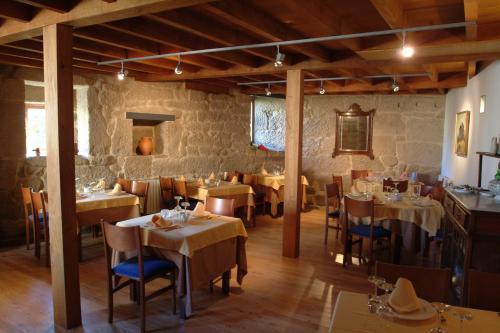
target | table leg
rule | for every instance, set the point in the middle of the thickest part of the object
(226, 277)
(182, 307)
(398, 243)
(133, 292)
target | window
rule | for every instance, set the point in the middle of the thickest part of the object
(35, 129)
(268, 122)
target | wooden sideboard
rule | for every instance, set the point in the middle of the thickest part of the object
(471, 238)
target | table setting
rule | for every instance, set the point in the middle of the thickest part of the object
(399, 309)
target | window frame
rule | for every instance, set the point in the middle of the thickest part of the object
(27, 106)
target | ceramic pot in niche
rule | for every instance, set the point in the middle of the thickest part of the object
(145, 145)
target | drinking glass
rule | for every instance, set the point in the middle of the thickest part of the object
(376, 281)
(185, 205)
(440, 309)
(178, 207)
(463, 315)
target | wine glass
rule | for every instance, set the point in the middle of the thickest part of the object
(463, 315)
(185, 205)
(376, 281)
(178, 207)
(440, 309)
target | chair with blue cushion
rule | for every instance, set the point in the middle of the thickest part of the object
(364, 209)
(332, 204)
(137, 270)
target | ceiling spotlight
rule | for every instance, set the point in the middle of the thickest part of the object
(322, 90)
(280, 57)
(122, 74)
(395, 86)
(406, 50)
(178, 68)
(268, 90)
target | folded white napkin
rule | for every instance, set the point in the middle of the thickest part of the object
(117, 189)
(199, 210)
(101, 185)
(403, 298)
(200, 181)
(212, 176)
(182, 178)
(234, 180)
(159, 221)
(354, 190)
(263, 172)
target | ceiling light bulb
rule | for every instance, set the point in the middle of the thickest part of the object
(280, 57)
(322, 90)
(178, 68)
(122, 74)
(268, 90)
(407, 51)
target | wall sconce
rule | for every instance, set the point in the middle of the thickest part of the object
(482, 101)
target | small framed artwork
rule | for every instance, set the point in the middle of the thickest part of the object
(462, 133)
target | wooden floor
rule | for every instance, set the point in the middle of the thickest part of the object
(278, 294)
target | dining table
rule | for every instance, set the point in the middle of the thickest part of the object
(242, 194)
(351, 315)
(274, 189)
(412, 220)
(202, 247)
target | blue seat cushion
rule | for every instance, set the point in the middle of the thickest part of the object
(152, 266)
(40, 217)
(335, 213)
(364, 231)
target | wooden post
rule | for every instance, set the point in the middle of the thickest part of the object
(293, 162)
(58, 75)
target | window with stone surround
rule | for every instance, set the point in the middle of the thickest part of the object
(35, 129)
(268, 122)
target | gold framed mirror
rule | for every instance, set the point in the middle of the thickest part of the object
(354, 132)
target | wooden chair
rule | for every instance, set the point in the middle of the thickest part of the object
(140, 189)
(40, 214)
(484, 290)
(260, 196)
(220, 206)
(28, 215)
(332, 200)
(431, 284)
(138, 270)
(355, 174)
(401, 185)
(126, 184)
(167, 192)
(360, 209)
(338, 180)
(180, 189)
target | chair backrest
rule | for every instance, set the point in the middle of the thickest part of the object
(27, 204)
(239, 175)
(332, 196)
(484, 290)
(359, 208)
(121, 239)
(338, 180)
(355, 174)
(402, 185)
(141, 190)
(126, 184)
(38, 200)
(248, 179)
(180, 188)
(167, 190)
(431, 284)
(220, 206)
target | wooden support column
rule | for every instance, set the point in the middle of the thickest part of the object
(293, 162)
(58, 75)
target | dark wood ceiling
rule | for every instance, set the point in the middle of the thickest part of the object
(449, 56)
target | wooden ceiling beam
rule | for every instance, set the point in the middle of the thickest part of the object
(392, 11)
(257, 22)
(471, 12)
(16, 11)
(53, 5)
(175, 38)
(209, 29)
(88, 12)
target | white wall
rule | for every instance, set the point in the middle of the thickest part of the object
(483, 126)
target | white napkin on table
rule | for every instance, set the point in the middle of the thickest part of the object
(200, 182)
(159, 221)
(117, 189)
(354, 190)
(263, 172)
(234, 181)
(199, 210)
(403, 298)
(212, 176)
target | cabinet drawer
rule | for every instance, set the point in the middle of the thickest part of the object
(448, 205)
(461, 216)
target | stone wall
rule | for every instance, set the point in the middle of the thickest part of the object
(407, 136)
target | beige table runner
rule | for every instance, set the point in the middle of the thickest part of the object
(274, 188)
(351, 315)
(96, 201)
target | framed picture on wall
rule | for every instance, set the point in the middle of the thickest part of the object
(462, 133)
